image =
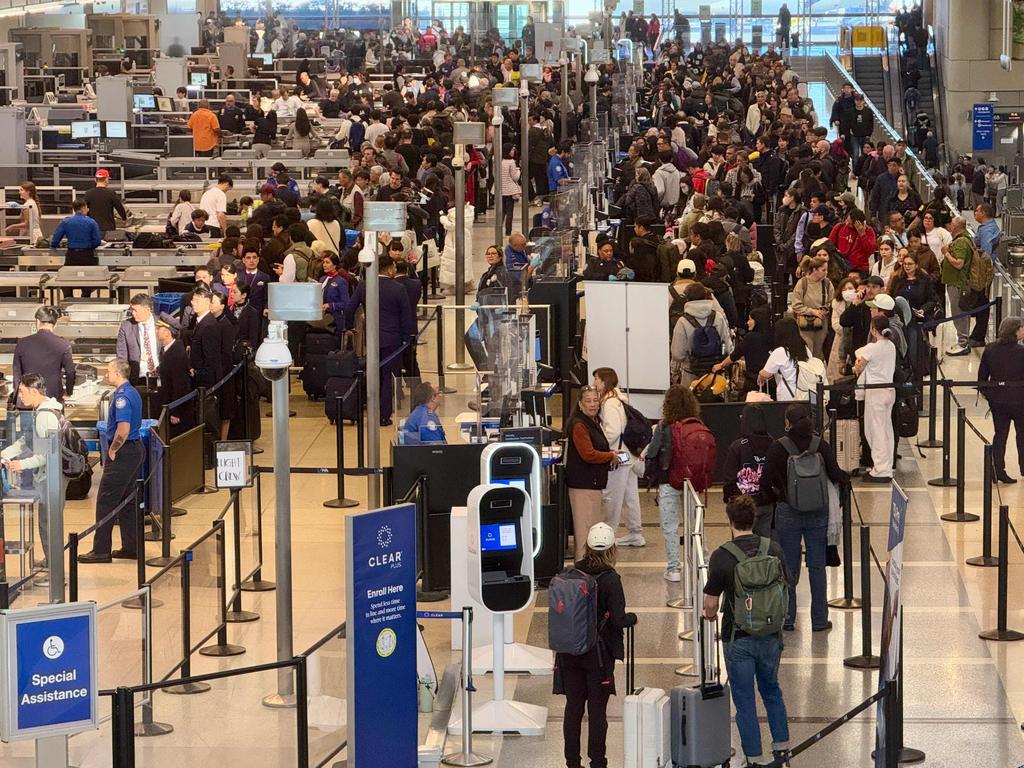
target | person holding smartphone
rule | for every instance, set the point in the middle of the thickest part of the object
(621, 496)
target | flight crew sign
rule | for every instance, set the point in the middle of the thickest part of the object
(48, 664)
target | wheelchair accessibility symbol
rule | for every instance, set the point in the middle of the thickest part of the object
(53, 647)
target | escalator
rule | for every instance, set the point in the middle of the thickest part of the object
(870, 75)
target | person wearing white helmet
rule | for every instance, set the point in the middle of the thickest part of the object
(587, 680)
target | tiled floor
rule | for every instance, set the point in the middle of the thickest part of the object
(964, 697)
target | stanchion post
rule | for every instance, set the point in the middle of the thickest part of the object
(960, 516)
(186, 632)
(140, 542)
(222, 647)
(440, 353)
(257, 583)
(467, 758)
(166, 508)
(905, 755)
(933, 397)
(205, 489)
(1001, 633)
(236, 615)
(819, 407)
(866, 660)
(947, 439)
(847, 601)
(123, 728)
(72, 568)
(985, 560)
(340, 501)
(360, 423)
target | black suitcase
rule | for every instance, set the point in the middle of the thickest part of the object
(314, 376)
(319, 344)
(337, 387)
(342, 364)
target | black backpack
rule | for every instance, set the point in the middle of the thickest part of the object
(638, 432)
(74, 453)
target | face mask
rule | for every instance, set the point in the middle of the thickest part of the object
(849, 296)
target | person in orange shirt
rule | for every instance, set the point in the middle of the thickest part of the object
(205, 130)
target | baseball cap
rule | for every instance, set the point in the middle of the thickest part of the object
(601, 537)
(102, 173)
(883, 301)
(847, 198)
(686, 265)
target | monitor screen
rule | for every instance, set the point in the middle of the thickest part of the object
(515, 482)
(145, 101)
(498, 537)
(116, 129)
(266, 58)
(85, 129)
(164, 104)
(200, 78)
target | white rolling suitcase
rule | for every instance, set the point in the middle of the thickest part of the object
(646, 720)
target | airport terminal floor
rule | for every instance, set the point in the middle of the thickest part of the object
(963, 696)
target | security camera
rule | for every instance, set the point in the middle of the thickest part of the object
(273, 358)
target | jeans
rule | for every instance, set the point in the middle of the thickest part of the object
(1002, 416)
(757, 658)
(670, 505)
(811, 528)
(583, 682)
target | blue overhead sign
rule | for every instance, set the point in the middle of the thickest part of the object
(380, 569)
(49, 665)
(984, 121)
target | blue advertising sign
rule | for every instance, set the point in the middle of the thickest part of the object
(984, 121)
(380, 569)
(50, 682)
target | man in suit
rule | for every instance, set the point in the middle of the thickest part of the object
(175, 382)
(255, 279)
(397, 326)
(47, 354)
(250, 322)
(204, 353)
(540, 142)
(136, 339)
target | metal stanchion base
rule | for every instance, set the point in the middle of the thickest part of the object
(137, 603)
(340, 503)
(227, 649)
(258, 585)
(862, 662)
(519, 657)
(447, 390)
(178, 512)
(240, 617)
(153, 729)
(153, 535)
(956, 517)
(843, 604)
(681, 603)
(291, 414)
(908, 755)
(686, 635)
(427, 596)
(187, 689)
(256, 450)
(687, 670)
(981, 561)
(460, 366)
(206, 490)
(279, 701)
(505, 717)
(930, 444)
(159, 562)
(466, 761)
(941, 482)
(1003, 636)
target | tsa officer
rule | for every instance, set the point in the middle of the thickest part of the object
(124, 459)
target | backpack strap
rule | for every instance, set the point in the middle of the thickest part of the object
(734, 550)
(787, 443)
(762, 548)
(815, 444)
(711, 320)
(691, 320)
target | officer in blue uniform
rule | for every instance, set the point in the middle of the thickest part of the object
(336, 292)
(123, 461)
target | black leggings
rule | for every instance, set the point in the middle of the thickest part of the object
(585, 686)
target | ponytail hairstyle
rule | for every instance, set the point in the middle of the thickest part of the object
(880, 324)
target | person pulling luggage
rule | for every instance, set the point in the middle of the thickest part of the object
(587, 678)
(751, 570)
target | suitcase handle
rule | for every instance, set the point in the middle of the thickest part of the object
(710, 680)
(630, 661)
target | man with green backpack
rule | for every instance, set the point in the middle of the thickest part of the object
(751, 572)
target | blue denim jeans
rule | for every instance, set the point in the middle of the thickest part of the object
(670, 506)
(792, 527)
(749, 659)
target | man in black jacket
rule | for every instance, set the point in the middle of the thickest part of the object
(250, 319)
(540, 143)
(643, 252)
(175, 382)
(1003, 362)
(604, 266)
(204, 354)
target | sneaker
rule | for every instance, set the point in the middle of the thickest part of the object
(826, 627)
(632, 540)
(975, 343)
(959, 351)
(671, 575)
(778, 754)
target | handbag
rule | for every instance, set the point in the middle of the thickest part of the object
(971, 300)
(809, 322)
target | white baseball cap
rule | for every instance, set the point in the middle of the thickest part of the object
(882, 301)
(601, 537)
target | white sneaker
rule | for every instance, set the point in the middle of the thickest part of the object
(671, 575)
(631, 540)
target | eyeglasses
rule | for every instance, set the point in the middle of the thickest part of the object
(588, 388)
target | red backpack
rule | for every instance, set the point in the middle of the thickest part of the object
(693, 455)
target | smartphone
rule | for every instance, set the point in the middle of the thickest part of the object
(623, 456)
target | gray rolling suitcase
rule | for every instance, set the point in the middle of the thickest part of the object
(701, 725)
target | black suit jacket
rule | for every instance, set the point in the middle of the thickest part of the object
(205, 353)
(175, 383)
(397, 316)
(49, 355)
(257, 283)
(250, 326)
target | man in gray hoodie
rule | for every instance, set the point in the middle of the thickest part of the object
(695, 347)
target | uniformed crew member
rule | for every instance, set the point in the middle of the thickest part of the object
(47, 354)
(125, 455)
(175, 381)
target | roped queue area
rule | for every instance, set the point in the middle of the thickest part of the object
(469, 506)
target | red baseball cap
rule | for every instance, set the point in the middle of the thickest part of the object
(102, 173)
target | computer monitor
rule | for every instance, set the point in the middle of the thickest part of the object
(164, 104)
(145, 101)
(116, 129)
(200, 78)
(85, 129)
(266, 58)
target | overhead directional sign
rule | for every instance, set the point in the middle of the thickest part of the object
(983, 120)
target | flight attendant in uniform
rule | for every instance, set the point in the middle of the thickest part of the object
(125, 455)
